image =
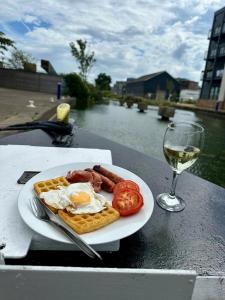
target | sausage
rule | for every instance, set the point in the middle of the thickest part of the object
(113, 177)
(107, 184)
(97, 180)
(79, 176)
(85, 176)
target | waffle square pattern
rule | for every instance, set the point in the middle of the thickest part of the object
(82, 223)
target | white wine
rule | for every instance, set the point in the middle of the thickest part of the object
(181, 157)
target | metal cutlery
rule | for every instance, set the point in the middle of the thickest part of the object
(42, 212)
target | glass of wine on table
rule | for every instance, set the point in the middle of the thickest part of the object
(182, 145)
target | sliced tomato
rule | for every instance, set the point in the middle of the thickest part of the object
(127, 202)
(126, 184)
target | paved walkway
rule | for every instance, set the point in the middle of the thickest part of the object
(199, 108)
(15, 106)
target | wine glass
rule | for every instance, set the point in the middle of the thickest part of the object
(182, 145)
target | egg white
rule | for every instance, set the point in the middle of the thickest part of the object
(60, 199)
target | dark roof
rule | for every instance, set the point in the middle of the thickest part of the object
(219, 11)
(146, 77)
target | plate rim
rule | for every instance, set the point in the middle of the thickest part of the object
(56, 238)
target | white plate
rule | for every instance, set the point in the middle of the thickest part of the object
(121, 228)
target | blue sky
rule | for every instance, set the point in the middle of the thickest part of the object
(130, 38)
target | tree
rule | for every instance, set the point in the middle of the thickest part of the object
(103, 82)
(84, 59)
(77, 88)
(5, 43)
(169, 88)
(19, 59)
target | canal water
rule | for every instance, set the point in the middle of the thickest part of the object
(144, 132)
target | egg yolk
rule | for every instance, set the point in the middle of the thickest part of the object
(80, 198)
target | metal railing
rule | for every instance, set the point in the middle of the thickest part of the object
(216, 31)
(205, 55)
(222, 51)
(209, 34)
(209, 75)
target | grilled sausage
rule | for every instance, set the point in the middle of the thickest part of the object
(113, 177)
(79, 176)
(97, 180)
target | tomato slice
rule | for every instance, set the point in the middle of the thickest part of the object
(126, 184)
(127, 202)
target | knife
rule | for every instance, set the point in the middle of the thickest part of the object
(76, 239)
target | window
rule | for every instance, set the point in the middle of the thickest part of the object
(214, 92)
(213, 53)
(222, 50)
(217, 30)
(219, 73)
(209, 75)
(223, 30)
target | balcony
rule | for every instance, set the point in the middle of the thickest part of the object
(202, 76)
(209, 66)
(219, 74)
(209, 75)
(212, 54)
(216, 32)
(222, 51)
(209, 34)
(223, 29)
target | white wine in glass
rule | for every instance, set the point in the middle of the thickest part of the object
(182, 145)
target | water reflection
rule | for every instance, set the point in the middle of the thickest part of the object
(144, 132)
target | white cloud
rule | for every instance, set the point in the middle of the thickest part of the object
(130, 37)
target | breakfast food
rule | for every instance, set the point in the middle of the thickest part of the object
(127, 198)
(127, 202)
(77, 204)
(126, 184)
(76, 200)
(97, 180)
(51, 184)
(115, 178)
(85, 176)
(89, 222)
(107, 184)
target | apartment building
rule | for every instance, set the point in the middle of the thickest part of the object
(215, 58)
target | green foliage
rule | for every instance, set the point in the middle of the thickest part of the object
(95, 95)
(110, 94)
(76, 87)
(189, 101)
(5, 43)
(84, 59)
(103, 81)
(19, 59)
(137, 99)
(169, 86)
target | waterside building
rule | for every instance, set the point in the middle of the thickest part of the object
(160, 85)
(215, 60)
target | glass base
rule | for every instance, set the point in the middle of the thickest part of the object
(170, 203)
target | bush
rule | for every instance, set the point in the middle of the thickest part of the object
(76, 87)
(95, 95)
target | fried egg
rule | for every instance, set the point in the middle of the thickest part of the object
(77, 198)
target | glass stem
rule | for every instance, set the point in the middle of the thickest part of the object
(174, 183)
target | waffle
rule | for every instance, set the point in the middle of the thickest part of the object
(82, 223)
(50, 184)
(89, 222)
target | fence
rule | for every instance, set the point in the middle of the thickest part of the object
(36, 82)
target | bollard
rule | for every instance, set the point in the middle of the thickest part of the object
(59, 90)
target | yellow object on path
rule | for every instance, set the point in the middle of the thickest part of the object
(63, 112)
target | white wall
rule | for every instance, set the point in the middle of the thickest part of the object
(189, 95)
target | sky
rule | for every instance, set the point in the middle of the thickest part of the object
(130, 38)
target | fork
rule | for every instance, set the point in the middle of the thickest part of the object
(43, 213)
